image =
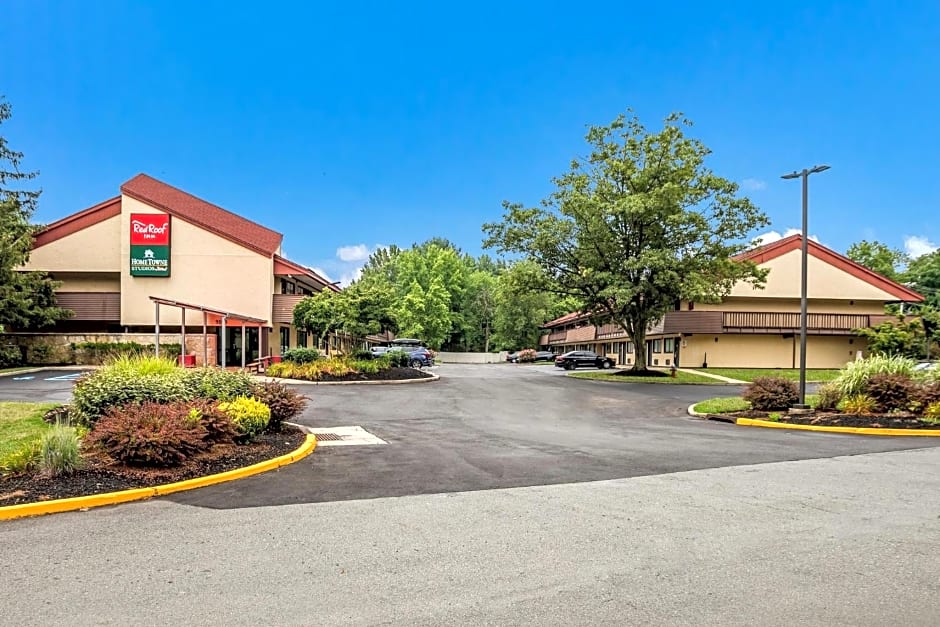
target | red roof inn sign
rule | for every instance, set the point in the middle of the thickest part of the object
(150, 244)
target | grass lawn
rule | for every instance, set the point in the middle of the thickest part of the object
(681, 377)
(725, 404)
(19, 423)
(749, 374)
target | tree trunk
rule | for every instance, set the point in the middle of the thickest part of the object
(637, 331)
(486, 338)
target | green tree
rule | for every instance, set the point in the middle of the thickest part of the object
(478, 310)
(923, 275)
(903, 337)
(367, 308)
(521, 310)
(636, 227)
(884, 260)
(321, 314)
(438, 276)
(27, 299)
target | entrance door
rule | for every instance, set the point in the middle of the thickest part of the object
(675, 351)
(649, 352)
(233, 345)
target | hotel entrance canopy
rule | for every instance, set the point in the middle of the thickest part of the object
(211, 316)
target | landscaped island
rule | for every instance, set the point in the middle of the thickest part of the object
(141, 422)
(877, 393)
(307, 365)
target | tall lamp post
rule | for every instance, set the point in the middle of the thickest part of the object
(805, 176)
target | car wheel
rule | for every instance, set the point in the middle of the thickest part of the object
(605, 364)
(415, 363)
(569, 366)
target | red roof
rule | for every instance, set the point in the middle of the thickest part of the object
(569, 317)
(765, 253)
(283, 267)
(78, 221)
(196, 211)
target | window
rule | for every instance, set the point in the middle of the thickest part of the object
(630, 347)
(287, 287)
(669, 345)
(301, 338)
(285, 339)
(657, 346)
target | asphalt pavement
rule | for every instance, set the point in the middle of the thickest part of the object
(502, 426)
(51, 385)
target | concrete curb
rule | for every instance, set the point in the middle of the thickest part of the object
(16, 373)
(430, 379)
(113, 498)
(695, 414)
(753, 422)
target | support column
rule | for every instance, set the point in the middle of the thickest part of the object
(183, 335)
(244, 345)
(222, 350)
(205, 340)
(156, 329)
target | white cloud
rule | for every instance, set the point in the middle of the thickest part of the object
(772, 236)
(356, 252)
(753, 185)
(918, 246)
(322, 273)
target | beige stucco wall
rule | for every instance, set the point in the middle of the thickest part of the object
(768, 351)
(204, 269)
(823, 281)
(93, 249)
(90, 282)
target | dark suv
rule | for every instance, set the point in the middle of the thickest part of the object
(589, 359)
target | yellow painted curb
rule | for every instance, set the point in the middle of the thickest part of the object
(113, 498)
(753, 422)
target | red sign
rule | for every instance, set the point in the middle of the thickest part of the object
(151, 229)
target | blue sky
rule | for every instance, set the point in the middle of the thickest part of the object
(346, 127)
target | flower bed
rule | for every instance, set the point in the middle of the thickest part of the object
(143, 421)
(343, 369)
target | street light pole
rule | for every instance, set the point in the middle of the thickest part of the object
(803, 276)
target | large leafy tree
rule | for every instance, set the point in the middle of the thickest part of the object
(923, 275)
(27, 299)
(883, 259)
(638, 225)
(478, 310)
(321, 314)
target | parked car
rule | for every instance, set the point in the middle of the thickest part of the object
(512, 357)
(417, 358)
(378, 351)
(545, 356)
(926, 366)
(575, 359)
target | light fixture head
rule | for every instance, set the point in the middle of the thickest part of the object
(792, 175)
(819, 168)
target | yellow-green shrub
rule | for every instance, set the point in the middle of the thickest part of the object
(858, 404)
(250, 416)
(24, 459)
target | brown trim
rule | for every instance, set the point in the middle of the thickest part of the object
(284, 267)
(763, 254)
(78, 221)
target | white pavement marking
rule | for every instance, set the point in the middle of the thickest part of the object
(66, 377)
(351, 436)
(23, 378)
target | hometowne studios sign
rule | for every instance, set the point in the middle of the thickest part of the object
(150, 244)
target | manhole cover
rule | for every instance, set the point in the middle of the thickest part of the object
(327, 437)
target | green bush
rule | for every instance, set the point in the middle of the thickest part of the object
(218, 384)
(858, 404)
(150, 434)
(284, 402)
(932, 413)
(102, 352)
(828, 397)
(60, 452)
(301, 355)
(24, 459)
(397, 358)
(890, 391)
(361, 354)
(250, 415)
(10, 355)
(770, 393)
(368, 367)
(854, 377)
(108, 387)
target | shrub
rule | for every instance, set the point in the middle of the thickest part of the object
(368, 367)
(854, 377)
(149, 434)
(828, 397)
(283, 402)
(336, 367)
(102, 352)
(301, 355)
(858, 404)
(890, 391)
(143, 365)
(526, 355)
(924, 395)
(932, 413)
(250, 416)
(109, 388)
(362, 355)
(217, 384)
(770, 393)
(219, 428)
(59, 451)
(23, 459)
(10, 355)
(397, 358)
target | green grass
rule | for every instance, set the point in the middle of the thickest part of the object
(726, 404)
(749, 374)
(681, 377)
(20, 423)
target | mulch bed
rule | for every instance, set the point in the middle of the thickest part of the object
(829, 419)
(103, 475)
(392, 374)
(641, 373)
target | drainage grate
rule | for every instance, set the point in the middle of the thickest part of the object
(328, 437)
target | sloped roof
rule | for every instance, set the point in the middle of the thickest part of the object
(284, 266)
(77, 221)
(765, 253)
(201, 213)
(565, 319)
